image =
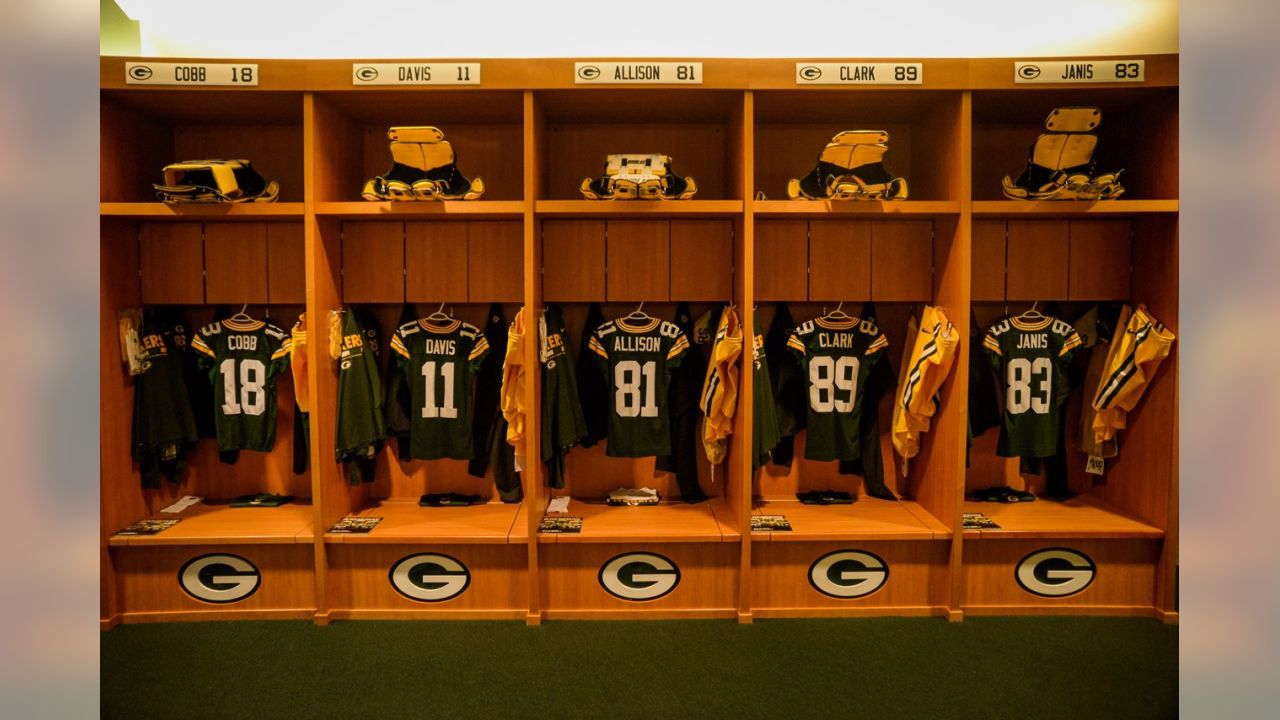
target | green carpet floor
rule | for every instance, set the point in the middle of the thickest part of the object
(985, 668)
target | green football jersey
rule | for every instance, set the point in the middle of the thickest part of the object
(164, 427)
(764, 430)
(439, 363)
(637, 359)
(836, 357)
(360, 426)
(243, 360)
(1031, 360)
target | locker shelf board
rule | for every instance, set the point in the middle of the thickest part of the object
(202, 211)
(205, 524)
(403, 522)
(1072, 208)
(638, 208)
(866, 519)
(665, 522)
(869, 208)
(462, 209)
(1079, 517)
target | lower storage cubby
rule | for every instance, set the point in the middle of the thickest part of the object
(848, 578)
(168, 583)
(639, 580)
(1060, 575)
(417, 581)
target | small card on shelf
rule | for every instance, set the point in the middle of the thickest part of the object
(149, 527)
(978, 521)
(560, 525)
(770, 523)
(353, 525)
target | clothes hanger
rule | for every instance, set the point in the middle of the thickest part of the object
(838, 313)
(638, 314)
(1032, 314)
(439, 316)
(242, 316)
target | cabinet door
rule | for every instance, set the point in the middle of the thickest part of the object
(235, 263)
(495, 261)
(839, 260)
(172, 263)
(639, 260)
(373, 262)
(902, 260)
(1101, 253)
(1037, 260)
(782, 260)
(701, 260)
(286, 264)
(988, 260)
(435, 255)
(573, 260)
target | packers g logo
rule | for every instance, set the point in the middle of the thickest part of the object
(848, 574)
(810, 73)
(140, 72)
(1029, 72)
(366, 73)
(588, 72)
(639, 576)
(219, 578)
(430, 577)
(1055, 572)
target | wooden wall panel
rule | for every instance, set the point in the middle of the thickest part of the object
(575, 260)
(495, 253)
(435, 255)
(1125, 577)
(839, 260)
(988, 260)
(1038, 257)
(902, 260)
(172, 263)
(702, 260)
(149, 578)
(570, 578)
(235, 263)
(286, 263)
(639, 260)
(373, 262)
(781, 260)
(781, 575)
(359, 578)
(1101, 251)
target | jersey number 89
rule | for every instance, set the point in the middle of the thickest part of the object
(833, 383)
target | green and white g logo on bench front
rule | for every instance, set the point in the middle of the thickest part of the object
(430, 577)
(639, 576)
(219, 578)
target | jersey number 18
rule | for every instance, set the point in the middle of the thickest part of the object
(247, 396)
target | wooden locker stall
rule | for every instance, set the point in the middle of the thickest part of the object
(1111, 547)
(533, 134)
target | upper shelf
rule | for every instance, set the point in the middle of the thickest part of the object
(866, 519)
(835, 208)
(638, 208)
(205, 524)
(201, 211)
(403, 521)
(460, 209)
(1069, 208)
(710, 521)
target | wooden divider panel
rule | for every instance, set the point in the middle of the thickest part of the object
(373, 262)
(286, 263)
(435, 255)
(574, 267)
(495, 251)
(172, 258)
(902, 260)
(702, 259)
(235, 263)
(781, 260)
(988, 260)
(1038, 258)
(639, 260)
(839, 260)
(1101, 252)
